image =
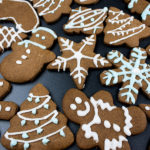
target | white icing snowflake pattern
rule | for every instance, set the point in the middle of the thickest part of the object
(80, 71)
(134, 73)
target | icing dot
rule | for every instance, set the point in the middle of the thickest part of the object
(37, 35)
(8, 108)
(62, 133)
(45, 141)
(43, 38)
(13, 143)
(1, 83)
(107, 124)
(25, 135)
(78, 100)
(19, 62)
(24, 57)
(26, 146)
(147, 108)
(116, 127)
(73, 106)
(28, 51)
(92, 19)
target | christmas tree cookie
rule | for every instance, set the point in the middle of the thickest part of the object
(141, 7)
(86, 20)
(29, 56)
(102, 124)
(51, 10)
(78, 58)
(134, 73)
(38, 125)
(122, 28)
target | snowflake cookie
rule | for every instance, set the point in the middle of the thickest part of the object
(21, 13)
(29, 56)
(102, 124)
(86, 2)
(78, 58)
(8, 35)
(51, 10)
(133, 72)
(38, 125)
(146, 109)
(122, 28)
(86, 20)
(141, 7)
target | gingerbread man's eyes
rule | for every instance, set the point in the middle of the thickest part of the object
(38, 36)
(80, 113)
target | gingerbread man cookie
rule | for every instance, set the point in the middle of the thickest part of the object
(122, 28)
(21, 13)
(78, 58)
(141, 7)
(9, 35)
(29, 56)
(51, 10)
(7, 110)
(133, 72)
(86, 20)
(4, 88)
(86, 2)
(38, 125)
(102, 124)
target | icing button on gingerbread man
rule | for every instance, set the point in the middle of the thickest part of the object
(29, 56)
(102, 124)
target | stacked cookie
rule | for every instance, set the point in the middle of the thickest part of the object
(38, 124)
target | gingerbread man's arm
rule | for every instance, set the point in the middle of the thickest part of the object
(146, 109)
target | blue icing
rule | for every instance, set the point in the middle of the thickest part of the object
(62, 133)
(25, 135)
(36, 122)
(13, 143)
(37, 100)
(34, 111)
(45, 141)
(39, 130)
(23, 122)
(46, 106)
(29, 99)
(26, 146)
(55, 121)
(146, 12)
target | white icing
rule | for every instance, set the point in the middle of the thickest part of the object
(19, 26)
(8, 108)
(28, 51)
(73, 106)
(19, 62)
(78, 100)
(116, 127)
(114, 144)
(6, 32)
(107, 124)
(147, 108)
(79, 71)
(1, 83)
(48, 5)
(52, 116)
(82, 113)
(96, 120)
(77, 20)
(24, 57)
(0, 107)
(119, 31)
(128, 124)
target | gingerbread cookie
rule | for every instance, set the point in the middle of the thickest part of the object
(141, 7)
(102, 124)
(51, 10)
(78, 58)
(86, 2)
(133, 72)
(9, 35)
(148, 50)
(146, 109)
(4, 88)
(21, 13)
(86, 20)
(122, 28)
(7, 110)
(29, 56)
(38, 125)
